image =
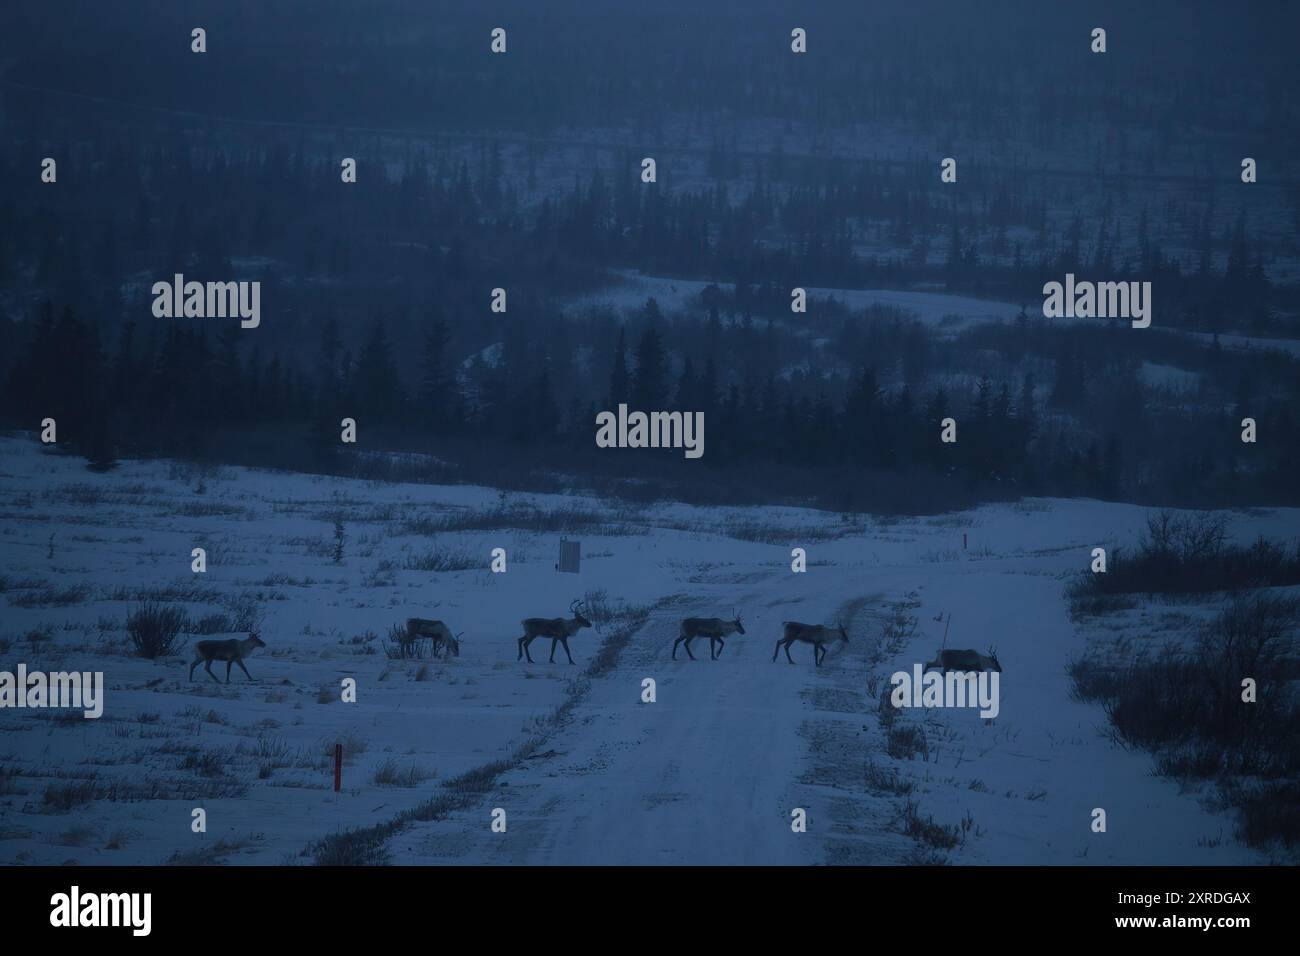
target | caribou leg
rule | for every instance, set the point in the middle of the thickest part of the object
(523, 646)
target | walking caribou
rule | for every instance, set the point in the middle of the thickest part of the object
(714, 628)
(817, 635)
(558, 629)
(232, 652)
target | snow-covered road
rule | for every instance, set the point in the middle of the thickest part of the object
(710, 772)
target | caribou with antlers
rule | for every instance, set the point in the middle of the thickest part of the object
(420, 628)
(817, 635)
(714, 628)
(558, 629)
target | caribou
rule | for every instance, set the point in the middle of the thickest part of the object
(714, 628)
(419, 628)
(558, 629)
(967, 660)
(817, 635)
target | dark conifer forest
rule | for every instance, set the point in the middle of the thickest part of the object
(523, 173)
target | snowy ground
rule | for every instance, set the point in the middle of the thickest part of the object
(709, 773)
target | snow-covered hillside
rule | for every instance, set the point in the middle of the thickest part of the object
(708, 773)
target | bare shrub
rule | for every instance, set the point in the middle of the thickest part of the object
(155, 629)
(212, 624)
(400, 645)
(1269, 814)
(523, 517)
(50, 596)
(886, 779)
(898, 628)
(360, 847)
(1187, 706)
(1183, 554)
(209, 763)
(435, 560)
(391, 774)
(64, 797)
(208, 855)
(925, 830)
(905, 742)
(1091, 680)
(885, 708)
(353, 746)
(245, 613)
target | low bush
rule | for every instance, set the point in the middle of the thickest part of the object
(155, 629)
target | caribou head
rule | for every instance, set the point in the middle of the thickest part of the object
(576, 608)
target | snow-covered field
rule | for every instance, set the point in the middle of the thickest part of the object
(708, 773)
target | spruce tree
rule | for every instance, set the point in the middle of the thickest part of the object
(619, 390)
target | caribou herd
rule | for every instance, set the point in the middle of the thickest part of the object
(716, 629)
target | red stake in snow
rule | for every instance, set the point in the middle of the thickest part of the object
(338, 767)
